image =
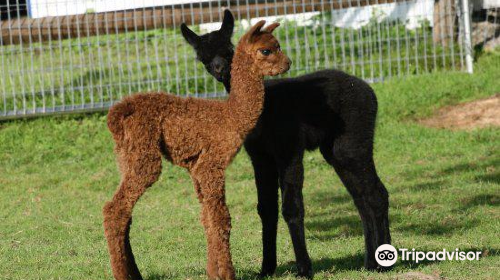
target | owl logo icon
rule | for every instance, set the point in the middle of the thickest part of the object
(386, 255)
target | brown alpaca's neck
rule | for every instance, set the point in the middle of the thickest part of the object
(246, 98)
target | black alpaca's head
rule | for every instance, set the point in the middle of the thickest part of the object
(214, 49)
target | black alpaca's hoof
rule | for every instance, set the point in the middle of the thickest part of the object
(264, 274)
(305, 272)
(375, 267)
(383, 268)
(267, 270)
(371, 265)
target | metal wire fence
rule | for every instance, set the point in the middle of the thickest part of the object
(70, 55)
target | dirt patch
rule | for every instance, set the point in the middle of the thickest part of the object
(476, 114)
(418, 276)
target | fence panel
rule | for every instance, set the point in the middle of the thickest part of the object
(71, 55)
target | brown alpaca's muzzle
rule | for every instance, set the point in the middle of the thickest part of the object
(286, 64)
(282, 65)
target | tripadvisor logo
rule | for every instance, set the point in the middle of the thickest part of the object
(386, 255)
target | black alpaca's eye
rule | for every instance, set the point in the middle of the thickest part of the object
(265, 52)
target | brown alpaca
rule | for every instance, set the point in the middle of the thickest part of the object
(201, 135)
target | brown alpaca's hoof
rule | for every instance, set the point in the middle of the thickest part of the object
(227, 274)
(212, 271)
(134, 273)
(124, 275)
(135, 277)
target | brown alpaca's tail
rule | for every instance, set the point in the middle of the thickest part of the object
(116, 115)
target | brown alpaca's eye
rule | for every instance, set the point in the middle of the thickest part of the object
(265, 52)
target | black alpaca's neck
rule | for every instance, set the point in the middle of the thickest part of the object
(227, 84)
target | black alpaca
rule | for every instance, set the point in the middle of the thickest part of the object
(327, 109)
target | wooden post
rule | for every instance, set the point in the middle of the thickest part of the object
(445, 22)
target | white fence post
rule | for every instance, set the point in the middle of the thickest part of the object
(467, 36)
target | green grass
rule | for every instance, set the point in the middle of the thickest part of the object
(57, 172)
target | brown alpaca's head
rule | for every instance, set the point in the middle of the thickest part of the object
(264, 50)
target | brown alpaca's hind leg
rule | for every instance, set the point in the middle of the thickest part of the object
(212, 188)
(140, 172)
(212, 268)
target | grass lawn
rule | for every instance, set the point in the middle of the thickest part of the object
(57, 172)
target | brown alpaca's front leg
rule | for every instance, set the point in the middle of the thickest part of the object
(212, 189)
(221, 228)
(212, 268)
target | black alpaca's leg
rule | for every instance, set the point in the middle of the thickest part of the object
(354, 164)
(266, 179)
(291, 182)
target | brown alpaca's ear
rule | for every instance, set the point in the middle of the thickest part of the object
(271, 27)
(255, 30)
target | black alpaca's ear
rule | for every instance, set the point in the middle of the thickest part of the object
(227, 24)
(189, 35)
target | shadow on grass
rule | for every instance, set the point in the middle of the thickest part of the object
(323, 222)
(343, 226)
(430, 185)
(341, 264)
(417, 187)
(336, 197)
(344, 263)
(492, 177)
(486, 252)
(158, 276)
(483, 166)
(242, 274)
(355, 262)
(479, 200)
(443, 228)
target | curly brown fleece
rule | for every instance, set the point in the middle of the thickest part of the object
(200, 135)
